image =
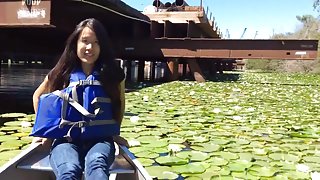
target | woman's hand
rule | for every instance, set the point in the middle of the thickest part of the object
(121, 141)
(43, 141)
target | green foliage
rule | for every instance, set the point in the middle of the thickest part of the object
(264, 65)
(308, 29)
(316, 4)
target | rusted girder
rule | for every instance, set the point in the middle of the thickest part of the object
(27, 13)
(200, 48)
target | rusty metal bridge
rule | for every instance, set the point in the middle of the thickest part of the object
(173, 32)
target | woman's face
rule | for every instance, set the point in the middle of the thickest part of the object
(88, 48)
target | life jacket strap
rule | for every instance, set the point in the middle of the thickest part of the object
(95, 103)
(73, 103)
(75, 84)
(85, 83)
(81, 124)
(101, 99)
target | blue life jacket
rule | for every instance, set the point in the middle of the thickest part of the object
(82, 110)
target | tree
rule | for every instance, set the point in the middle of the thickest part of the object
(316, 4)
(310, 27)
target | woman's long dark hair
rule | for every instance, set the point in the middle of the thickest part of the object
(111, 73)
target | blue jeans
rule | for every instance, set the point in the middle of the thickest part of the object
(70, 159)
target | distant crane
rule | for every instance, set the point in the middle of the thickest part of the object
(227, 36)
(255, 35)
(244, 31)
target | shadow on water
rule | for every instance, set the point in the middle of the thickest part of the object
(227, 77)
(17, 84)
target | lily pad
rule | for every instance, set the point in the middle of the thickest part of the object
(13, 115)
(284, 157)
(311, 159)
(8, 138)
(262, 171)
(208, 147)
(239, 165)
(147, 154)
(192, 168)
(161, 172)
(171, 160)
(217, 161)
(193, 155)
(148, 139)
(157, 144)
(146, 162)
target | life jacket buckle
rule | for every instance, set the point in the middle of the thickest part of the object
(82, 124)
(86, 82)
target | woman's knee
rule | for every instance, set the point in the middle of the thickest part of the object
(68, 170)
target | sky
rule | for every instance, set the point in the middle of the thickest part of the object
(260, 18)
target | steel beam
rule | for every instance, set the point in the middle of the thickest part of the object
(25, 13)
(201, 48)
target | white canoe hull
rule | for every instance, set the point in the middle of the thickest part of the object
(33, 164)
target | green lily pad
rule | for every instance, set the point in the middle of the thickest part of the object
(193, 155)
(19, 135)
(207, 147)
(146, 162)
(135, 150)
(171, 160)
(284, 157)
(13, 143)
(161, 172)
(160, 150)
(191, 168)
(148, 139)
(157, 144)
(245, 156)
(297, 175)
(174, 140)
(217, 161)
(222, 178)
(129, 134)
(13, 123)
(198, 139)
(228, 155)
(8, 148)
(13, 115)
(239, 165)
(26, 139)
(244, 175)
(260, 151)
(7, 155)
(220, 141)
(8, 129)
(147, 154)
(312, 159)
(8, 138)
(262, 171)
(194, 178)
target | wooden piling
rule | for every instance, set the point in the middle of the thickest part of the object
(173, 65)
(196, 70)
(141, 66)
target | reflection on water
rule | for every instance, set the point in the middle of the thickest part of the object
(17, 84)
